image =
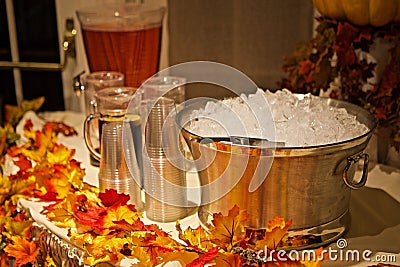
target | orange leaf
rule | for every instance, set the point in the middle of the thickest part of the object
(22, 250)
(228, 230)
(228, 260)
(277, 228)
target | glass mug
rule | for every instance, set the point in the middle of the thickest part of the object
(96, 81)
(92, 83)
(111, 103)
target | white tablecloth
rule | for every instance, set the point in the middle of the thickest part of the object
(374, 209)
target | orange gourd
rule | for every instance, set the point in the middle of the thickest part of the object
(360, 12)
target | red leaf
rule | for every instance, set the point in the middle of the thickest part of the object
(91, 216)
(112, 198)
(23, 163)
(49, 196)
(343, 46)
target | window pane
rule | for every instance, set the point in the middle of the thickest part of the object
(38, 42)
(37, 30)
(7, 92)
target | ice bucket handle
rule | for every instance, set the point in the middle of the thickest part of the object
(352, 160)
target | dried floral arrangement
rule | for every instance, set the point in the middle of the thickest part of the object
(337, 63)
(104, 225)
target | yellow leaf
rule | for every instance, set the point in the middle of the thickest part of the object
(61, 187)
(60, 154)
(81, 239)
(104, 249)
(20, 228)
(120, 213)
(13, 114)
(197, 237)
(5, 188)
(21, 187)
(33, 104)
(103, 243)
(142, 256)
(92, 261)
(62, 212)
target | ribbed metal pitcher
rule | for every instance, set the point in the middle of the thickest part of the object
(310, 185)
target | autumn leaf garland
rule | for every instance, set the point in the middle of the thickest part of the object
(334, 61)
(105, 225)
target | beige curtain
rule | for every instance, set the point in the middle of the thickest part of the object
(252, 36)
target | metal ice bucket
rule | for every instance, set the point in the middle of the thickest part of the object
(310, 185)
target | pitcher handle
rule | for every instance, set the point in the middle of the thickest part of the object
(86, 135)
(352, 160)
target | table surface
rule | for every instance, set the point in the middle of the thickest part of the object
(374, 209)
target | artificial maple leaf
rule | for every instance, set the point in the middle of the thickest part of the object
(22, 250)
(43, 141)
(162, 244)
(142, 256)
(58, 187)
(112, 198)
(277, 229)
(197, 238)
(71, 173)
(228, 230)
(62, 213)
(90, 216)
(97, 259)
(60, 154)
(100, 244)
(21, 188)
(306, 68)
(18, 227)
(153, 228)
(75, 174)
(33, 104)
(23, 163)
(119, 213)
(123, 227)
(13, 114)
(5, 188)
(204, 258)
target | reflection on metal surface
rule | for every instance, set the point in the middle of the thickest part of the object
(304, 184)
